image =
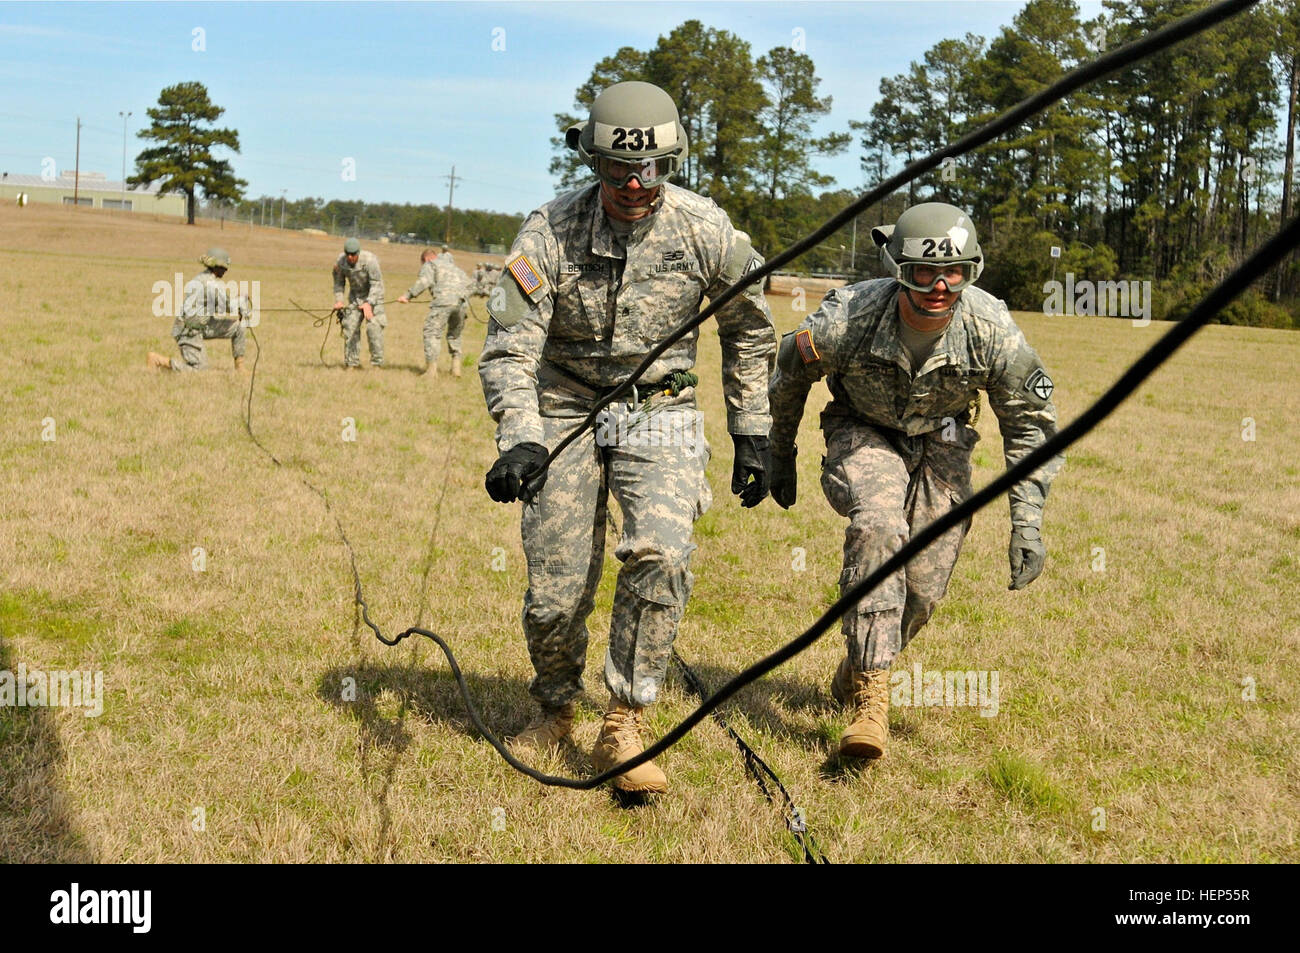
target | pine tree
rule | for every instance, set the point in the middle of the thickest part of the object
(184, 162)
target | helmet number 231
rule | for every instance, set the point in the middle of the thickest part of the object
(633, 138)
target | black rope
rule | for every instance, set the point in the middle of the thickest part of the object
(759, 770)
(1079, 76)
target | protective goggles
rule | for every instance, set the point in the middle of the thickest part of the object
(649, 172)
(923, 276)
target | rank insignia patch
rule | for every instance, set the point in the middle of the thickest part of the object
(1040, 385)
(807, 350)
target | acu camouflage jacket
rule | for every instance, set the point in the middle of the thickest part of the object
(852, 339)
(592, 304)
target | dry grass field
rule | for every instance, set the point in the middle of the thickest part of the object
(1161, 686)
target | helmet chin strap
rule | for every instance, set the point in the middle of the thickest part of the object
(926, 312)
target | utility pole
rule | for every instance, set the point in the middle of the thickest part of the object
(451, 191)
(125, 116)
(283, 193)
(263, 221)
(853, 255)
(76, 175)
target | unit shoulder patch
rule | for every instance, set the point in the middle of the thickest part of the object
(1040, 385)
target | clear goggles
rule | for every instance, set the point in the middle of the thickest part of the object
(649, 172)
(923, 276)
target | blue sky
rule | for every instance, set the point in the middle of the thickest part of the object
(405, 89)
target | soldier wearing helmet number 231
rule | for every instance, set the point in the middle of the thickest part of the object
(905, 358)
(594, 280)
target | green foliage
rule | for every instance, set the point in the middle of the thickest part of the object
(1163, 171)
(421, 224)
(184, 161)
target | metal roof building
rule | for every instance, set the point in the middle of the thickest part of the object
(92, 190)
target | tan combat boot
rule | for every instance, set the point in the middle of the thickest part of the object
(620, 739)
(430, 370)
(865, 737)
(239, 365)
(157, 362)
(544, 732)
(455, 367)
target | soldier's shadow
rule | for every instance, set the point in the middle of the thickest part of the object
(761, 702)
(433, 696)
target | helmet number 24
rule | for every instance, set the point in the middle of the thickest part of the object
(929, 246)
(633, 138)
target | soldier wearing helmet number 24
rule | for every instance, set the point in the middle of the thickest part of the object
(905, 358)
(593, 281)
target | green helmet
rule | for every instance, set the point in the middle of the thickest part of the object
(215, 258)
(351, 247)
(633, 130)
(931, 241)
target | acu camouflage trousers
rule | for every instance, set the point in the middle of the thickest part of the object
(889, 485)
(351, 321)
(659, 483)
(190, 340)
(442, 319)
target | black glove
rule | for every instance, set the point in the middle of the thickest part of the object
(1027, 555)
(507, 477)
(753, 459)
(785, 481)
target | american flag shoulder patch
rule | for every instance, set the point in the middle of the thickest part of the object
(525, 275)
(807, 350)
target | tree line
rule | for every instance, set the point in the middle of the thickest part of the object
(422, 224)
(1170, 170)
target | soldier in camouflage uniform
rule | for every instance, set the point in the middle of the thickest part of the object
(594, 279)
(481, 286)
(365, 303)
(205, 313)
(905, 358)
(449, 304)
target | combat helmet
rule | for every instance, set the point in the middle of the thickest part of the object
(931, 241)
(633, 130)
(215, 258)
(352, 246)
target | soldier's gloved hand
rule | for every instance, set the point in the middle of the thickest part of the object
(785, 482)
(753, 459)
(1027, 555)
(511, 471)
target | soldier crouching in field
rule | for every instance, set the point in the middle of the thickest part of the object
(905, 358)
(359, 270)
(205, 314)
(594, 280)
